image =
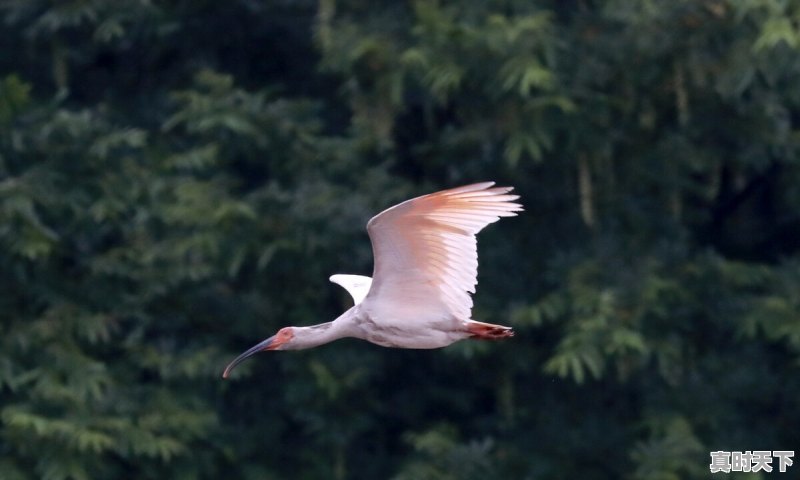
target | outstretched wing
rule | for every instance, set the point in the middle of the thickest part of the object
(425, 249)
(356, 285)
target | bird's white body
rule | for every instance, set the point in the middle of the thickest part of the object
(426, 266)
(434, 329)
(430, 329)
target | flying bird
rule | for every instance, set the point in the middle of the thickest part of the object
(426, 266)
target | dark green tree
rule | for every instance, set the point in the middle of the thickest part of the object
(179, 179)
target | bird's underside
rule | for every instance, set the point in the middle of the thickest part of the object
(401, 333)
(439, 338)
(398, 332)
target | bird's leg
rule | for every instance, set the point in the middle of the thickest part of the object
(488, 331)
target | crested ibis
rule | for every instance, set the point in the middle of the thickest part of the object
(426, 266)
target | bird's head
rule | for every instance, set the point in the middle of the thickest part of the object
(280, 341)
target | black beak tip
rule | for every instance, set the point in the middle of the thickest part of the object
(236, 361)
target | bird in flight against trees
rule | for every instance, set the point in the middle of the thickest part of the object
(426, 266)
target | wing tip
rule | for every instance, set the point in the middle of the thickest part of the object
(472, 187)
(480, 187)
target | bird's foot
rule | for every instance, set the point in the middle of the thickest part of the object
(488, 331)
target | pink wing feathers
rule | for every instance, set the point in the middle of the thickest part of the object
(425, 248)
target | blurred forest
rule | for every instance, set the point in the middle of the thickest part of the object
(179, 178)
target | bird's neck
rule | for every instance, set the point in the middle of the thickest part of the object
(309, 337)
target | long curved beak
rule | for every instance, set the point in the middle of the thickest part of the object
(236, 361)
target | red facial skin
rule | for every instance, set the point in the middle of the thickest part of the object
(274, 342)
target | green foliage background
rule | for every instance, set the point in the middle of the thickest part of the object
(178, 179)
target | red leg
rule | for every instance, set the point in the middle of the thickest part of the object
(488, 331)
